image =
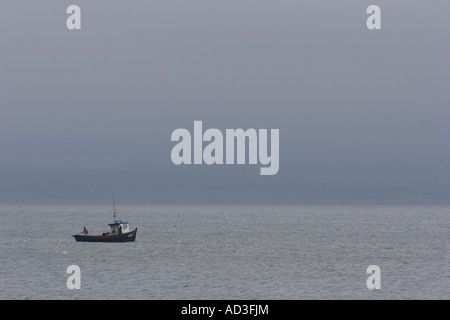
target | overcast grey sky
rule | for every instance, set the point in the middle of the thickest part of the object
(363, 115)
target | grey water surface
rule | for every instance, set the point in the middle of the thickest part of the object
(227, 252)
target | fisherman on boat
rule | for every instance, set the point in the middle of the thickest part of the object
(120, 232)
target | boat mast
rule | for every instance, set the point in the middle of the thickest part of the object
(114, 207)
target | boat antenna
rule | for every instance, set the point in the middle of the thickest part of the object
(114, 207)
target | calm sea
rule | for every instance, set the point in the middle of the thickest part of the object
(227, 252)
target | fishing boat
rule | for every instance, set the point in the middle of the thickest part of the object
(120, 232)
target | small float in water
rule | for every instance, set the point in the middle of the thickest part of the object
(120, 232)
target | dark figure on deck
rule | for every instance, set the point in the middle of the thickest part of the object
(85, 232)
(120, 230)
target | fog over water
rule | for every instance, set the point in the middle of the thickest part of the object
(363, 115)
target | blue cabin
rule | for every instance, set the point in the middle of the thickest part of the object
(119, 227)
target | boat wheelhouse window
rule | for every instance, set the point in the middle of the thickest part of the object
(125, 226)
